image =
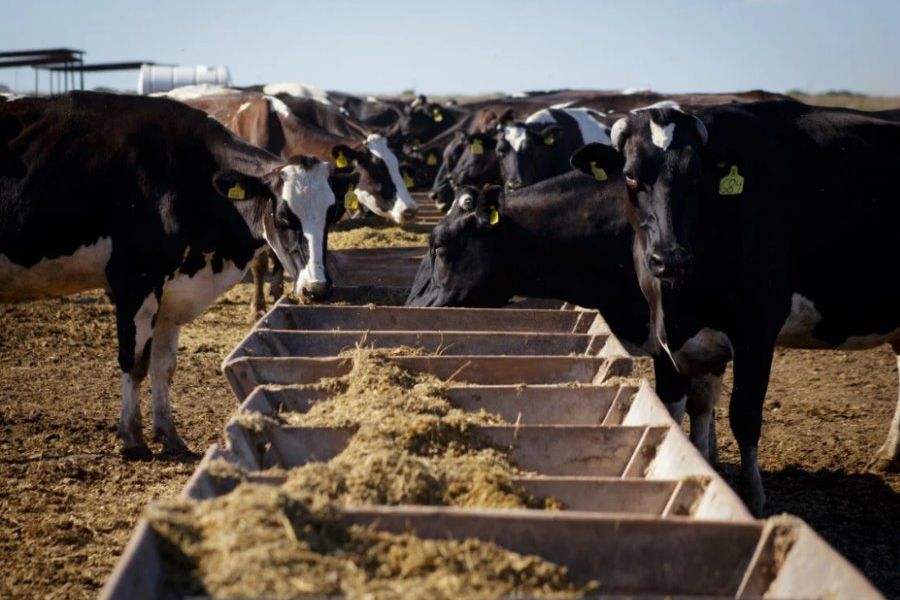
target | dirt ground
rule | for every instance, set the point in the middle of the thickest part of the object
(68, 504)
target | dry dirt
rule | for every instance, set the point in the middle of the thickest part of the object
(68, 504)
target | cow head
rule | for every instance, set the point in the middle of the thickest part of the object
(295, 227)
(659, 150)
(525, 152)
(423, 120)
(464, 265)
(381, 187)
(469, 160)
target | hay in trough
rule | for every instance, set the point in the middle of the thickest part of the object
(262, 541)
(411, 445)
(370, 237)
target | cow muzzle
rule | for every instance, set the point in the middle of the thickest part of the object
(669, 263)
(314, 290)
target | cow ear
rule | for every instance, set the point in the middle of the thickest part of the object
(506, 117)
(549, 134)
(490, 205)
(344, 156)
(598, 161)
(237, 186)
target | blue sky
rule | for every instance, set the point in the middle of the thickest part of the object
(481, 46)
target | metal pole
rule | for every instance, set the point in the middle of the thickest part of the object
(35, 81)
(81, 65)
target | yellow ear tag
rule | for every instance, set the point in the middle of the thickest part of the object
(341, 161)
(477, 147)
(432, 160)
(351, 202)
(236, 192)
(732, 184)
(415, 144)
(407, 180)
(548, 139)
(494, 217)
(437, 115)
(599, 173)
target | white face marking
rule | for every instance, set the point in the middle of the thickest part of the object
(279, 107)
(466, 202)
(516, 136)
(403, 202)
(309, 196)
(84, 269)
(300, 90)
(589, 125)
(662, 135)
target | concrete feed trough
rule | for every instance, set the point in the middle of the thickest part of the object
(643, 513)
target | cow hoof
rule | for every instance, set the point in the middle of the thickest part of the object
(133, 453)
(882, 464)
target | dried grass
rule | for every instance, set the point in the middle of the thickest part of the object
(410, 447)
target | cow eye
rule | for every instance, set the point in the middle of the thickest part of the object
(631, 181)
(285, 217)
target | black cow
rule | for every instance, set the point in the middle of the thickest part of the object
(758, 224)
(469, 160)
(540, 147)
(156, 203)
(565, 238)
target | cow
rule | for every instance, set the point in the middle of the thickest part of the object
(156, 203)
(469, 160)
(366, 172)
(540, 147)
(564, 238)
(760, 224)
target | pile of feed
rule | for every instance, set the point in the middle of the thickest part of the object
(262, 541)
(376, 232)
(410, 447)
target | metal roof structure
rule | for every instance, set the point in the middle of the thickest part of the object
(62, 65)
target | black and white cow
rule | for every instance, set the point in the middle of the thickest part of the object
(761, 224)
(469, 160)
(158, 204)
(540, 147)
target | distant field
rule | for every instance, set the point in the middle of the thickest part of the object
(851, 101)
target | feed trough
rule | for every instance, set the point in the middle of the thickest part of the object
(640, 511)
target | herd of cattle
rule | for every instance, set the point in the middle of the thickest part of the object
(706, 228)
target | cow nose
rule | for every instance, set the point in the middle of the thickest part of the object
(408, 214)
(316, 290)
(669, 263)
(513, 184)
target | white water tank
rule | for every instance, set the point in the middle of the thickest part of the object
(161, 78)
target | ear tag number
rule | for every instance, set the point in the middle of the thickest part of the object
(549, 140)
(599, 173)
(437, 115)
(236, 192)
(432, 160)
(341, 161)
(407, 180)
(732, 184)
(494, 217)
(477, 147)
(351, 202)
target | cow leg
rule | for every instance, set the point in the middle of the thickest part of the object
(134, 327)
(887, 459)
(130, 423)
(276, 287)
(701, 407)
(162, 367)
(259, 267)
(671, 386)
(752, 365)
